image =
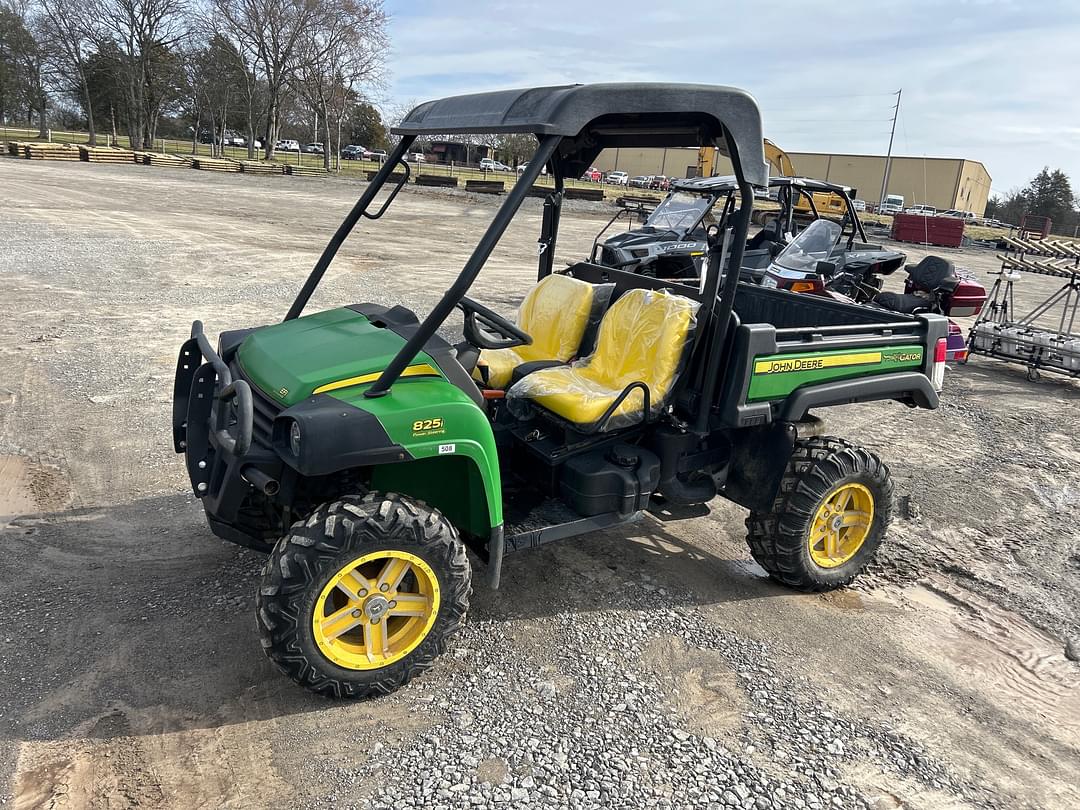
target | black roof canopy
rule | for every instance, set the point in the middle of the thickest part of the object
(593, 117)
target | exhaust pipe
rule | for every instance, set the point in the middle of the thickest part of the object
(260, 480)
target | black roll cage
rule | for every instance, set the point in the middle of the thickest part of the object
(714, 316)
(788, 192)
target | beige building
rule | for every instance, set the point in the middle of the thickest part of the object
(678, 162)
(941, 182)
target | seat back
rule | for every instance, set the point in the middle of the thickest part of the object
(556, 313)
(643, 338)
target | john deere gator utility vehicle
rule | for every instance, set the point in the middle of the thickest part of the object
(367, 455)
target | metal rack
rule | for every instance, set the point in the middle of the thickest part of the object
(1045, 338)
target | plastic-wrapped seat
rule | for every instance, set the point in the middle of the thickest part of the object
(556, 314)
(642, 344)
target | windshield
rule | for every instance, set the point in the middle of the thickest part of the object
(810, 247)
(678, 212)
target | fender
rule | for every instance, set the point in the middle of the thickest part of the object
(912, 387)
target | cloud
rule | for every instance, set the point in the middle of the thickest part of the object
(984, 80)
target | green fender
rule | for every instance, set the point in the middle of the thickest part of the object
(454, 465)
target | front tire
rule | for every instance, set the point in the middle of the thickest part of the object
(363, 595)
(830, 515)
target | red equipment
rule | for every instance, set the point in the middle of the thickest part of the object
(943, 231)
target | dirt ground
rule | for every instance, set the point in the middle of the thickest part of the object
(130, 669)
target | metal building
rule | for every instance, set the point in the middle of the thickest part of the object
(941, 182)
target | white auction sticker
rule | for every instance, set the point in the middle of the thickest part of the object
(447, 448)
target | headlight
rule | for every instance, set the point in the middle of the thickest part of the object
(294, 438)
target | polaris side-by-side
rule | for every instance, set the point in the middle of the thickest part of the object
(368, 455)
(671, 243)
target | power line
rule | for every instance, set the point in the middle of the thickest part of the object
(888, 156)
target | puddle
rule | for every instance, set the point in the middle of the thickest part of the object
(845, 599)
(998, 653)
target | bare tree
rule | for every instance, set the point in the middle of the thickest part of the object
(272, 30)
(68, 27)
(143, 31)
(343, 49)
(27, 60)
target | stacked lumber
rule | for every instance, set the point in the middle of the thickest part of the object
(260, 167)
(15, 148)
(594, 194)
(395, 177)
(104, 154)
(485, 186)
(440, 180)
(164, 159)
(305, 171)
(50, 151)
(214, 164)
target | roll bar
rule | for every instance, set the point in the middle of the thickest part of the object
(469, 272)
(345, 228)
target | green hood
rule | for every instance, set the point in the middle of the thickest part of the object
(289, 361)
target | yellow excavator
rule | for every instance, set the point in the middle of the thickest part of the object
(780, 165)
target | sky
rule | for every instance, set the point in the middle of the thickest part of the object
(988, 80)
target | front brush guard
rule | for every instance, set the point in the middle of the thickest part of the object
(197, 387)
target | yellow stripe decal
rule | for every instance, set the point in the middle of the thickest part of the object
(814, 363)
(419, 370)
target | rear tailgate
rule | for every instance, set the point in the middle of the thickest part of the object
(778, 373)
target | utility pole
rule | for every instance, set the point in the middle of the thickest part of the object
(888, 156)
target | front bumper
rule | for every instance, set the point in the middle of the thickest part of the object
(216, 428)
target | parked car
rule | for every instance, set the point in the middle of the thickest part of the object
(522, 167)
(659, 182)
(922, 210)
(956, 213)
(378, 155)
(232, 138)
(492, 165)
(313, 148)
(592, 174)
(287, 146)
(617, 178)
(858, 205)
(640, 181)
(353, 152)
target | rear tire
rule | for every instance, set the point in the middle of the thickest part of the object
(796, 543)
(334, 563)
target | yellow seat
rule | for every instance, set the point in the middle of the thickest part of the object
(643, 338)
(555, 315)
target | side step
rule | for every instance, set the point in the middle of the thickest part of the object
(560, 531)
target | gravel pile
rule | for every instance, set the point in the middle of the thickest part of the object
(590, 727)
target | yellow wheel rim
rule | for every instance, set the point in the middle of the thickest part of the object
(376, 609)
(841, 525)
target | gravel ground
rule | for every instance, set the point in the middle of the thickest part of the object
(650, 665)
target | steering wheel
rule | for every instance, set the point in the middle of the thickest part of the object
(477, 316)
